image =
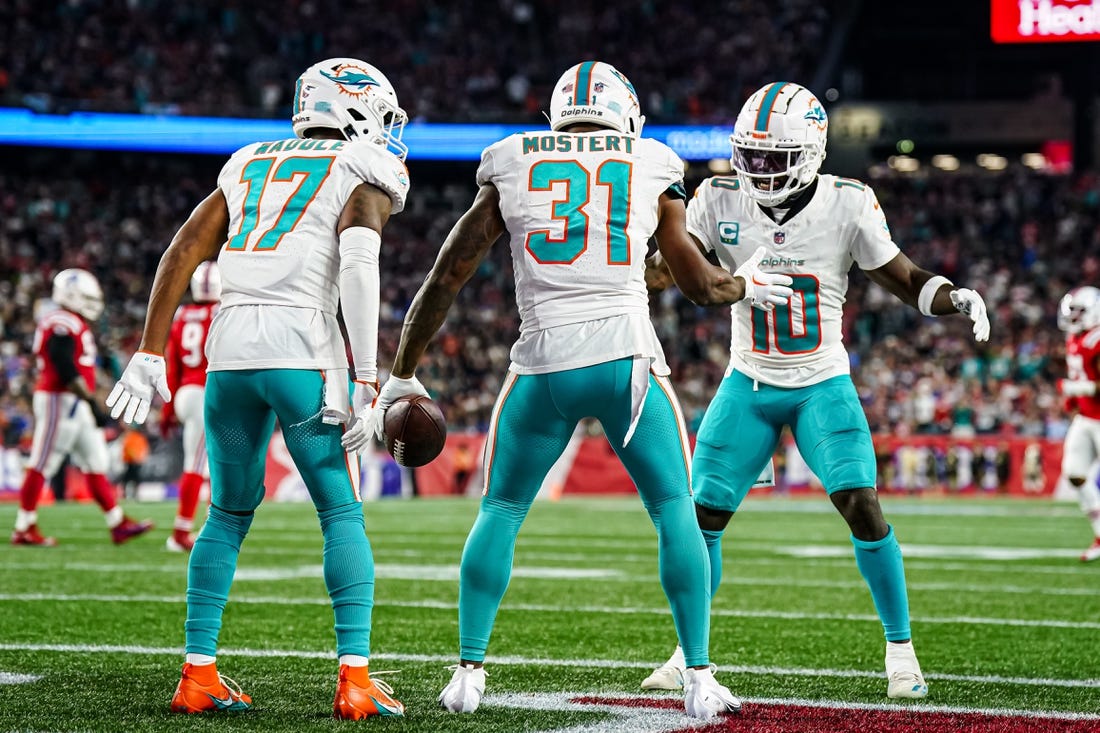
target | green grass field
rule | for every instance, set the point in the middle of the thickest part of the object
(1005, 617)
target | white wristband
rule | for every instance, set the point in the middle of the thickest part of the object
(928, 293)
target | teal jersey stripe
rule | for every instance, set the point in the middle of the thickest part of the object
(584, 80)
(766, 106)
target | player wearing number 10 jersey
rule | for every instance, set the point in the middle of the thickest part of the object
(296, 228)
(579, 204)
(788, 365)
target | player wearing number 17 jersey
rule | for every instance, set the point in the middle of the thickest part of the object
(579, 204)
(788, 365)
(296, 228)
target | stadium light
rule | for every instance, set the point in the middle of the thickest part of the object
(992, 161)
(906, 146)
(945, 162)
(903, 163)
(719, 166)
(1035, 161)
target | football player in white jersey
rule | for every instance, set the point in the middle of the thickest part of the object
(788, 364)
(296, 228)
(579, 203)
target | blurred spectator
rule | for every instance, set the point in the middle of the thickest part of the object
(1020, 237)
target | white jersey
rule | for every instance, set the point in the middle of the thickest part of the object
(281, 263)
(799, 344)
(580, 209)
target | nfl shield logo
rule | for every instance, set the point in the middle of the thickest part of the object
(780, 238)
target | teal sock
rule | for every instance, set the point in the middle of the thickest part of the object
(210, 572)
(685, 575)
(881, 565)
(349, 576)
(486, 570)
(713, 538)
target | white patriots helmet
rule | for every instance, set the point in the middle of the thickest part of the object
(596, 92)
(1079, 310)
(778, 142)
(78, 291)
(352, 97)
(206, 283)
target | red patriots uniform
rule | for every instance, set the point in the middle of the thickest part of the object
(185, 356)
(64, 323)
(1082, 352)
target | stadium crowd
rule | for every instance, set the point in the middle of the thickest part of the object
(1023, 238)
(467, 61)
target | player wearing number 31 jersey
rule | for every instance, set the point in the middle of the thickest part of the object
(296, 228)
(788, 365)
(579, 203)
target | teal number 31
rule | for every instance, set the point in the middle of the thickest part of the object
(563, 250)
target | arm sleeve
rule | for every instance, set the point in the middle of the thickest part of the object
(61, 351)
(359, 298)
(486, 170)
(872, 247)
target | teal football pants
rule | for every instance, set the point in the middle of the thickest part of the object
(240, 412)
(532, 423)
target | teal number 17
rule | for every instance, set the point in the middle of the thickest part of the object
(255, 175)
(570, 211)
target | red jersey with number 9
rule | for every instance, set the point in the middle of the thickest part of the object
(63, 323)
(1082, 354)
(185, 355)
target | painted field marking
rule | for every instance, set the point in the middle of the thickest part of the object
(14, 678)
(513, 660)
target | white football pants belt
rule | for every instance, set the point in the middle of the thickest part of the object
(337, 407)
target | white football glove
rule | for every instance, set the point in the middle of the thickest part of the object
(969, 303)
(763, 290)
(133, 393)
(360, 429)
(394, 389)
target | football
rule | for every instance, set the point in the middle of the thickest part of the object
(415, 430)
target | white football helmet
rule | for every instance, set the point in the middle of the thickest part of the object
(352, 97)
(206, 283)
(78, 291)
(1079, 310)
(596, 92)
(778, 142)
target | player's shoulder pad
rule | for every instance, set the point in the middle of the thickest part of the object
(379, 167)
(718, 185)
(63, 323)
(1091, 339)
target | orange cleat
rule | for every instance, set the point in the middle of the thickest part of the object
(128, 529)
(32, 537)
(202, 689)
(358, 696)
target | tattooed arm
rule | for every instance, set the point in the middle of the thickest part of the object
(465, 247)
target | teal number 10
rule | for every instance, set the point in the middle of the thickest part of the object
(256, 176)
(615, 175)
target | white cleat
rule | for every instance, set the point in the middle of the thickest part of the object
(664, 678)
(463, 693)
(704, 698)
(1092, 553)
(669, 676)
(903, 675)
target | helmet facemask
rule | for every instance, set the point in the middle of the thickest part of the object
(778, 142)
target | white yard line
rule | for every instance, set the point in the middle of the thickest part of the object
(559, 609)
(543, 662)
